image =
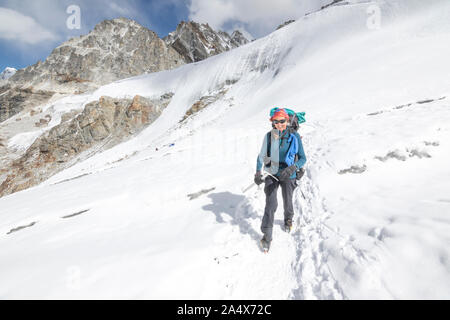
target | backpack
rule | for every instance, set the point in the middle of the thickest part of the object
(295, 119)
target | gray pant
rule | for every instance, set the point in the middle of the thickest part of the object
(270, 189)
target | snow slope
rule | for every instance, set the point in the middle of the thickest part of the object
(372, 212)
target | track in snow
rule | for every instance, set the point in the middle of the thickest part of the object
(315, 279)
(316, 241)
(297, 266)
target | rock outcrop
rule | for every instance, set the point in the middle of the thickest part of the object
(285, 24)
(332, 3)
(100, 126)
(15, 99)
(196, 42)
(209, 99)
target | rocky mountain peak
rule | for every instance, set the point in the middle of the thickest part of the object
(196, 42)
(113, 50)
(119, 26)
(238, 38)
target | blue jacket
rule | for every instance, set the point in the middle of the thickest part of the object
(282, 153)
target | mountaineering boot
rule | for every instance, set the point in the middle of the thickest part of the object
(288, 226)
(265, 245)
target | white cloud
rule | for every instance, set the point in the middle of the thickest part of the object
(52, 15)
(258, 17)
(120, 10)
(216, 12)
(16, 26)
(129, 8)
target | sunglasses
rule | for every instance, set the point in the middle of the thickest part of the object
(279, 121)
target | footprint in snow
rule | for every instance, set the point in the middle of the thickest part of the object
(380, 233)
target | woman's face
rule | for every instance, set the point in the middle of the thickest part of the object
(280, 124)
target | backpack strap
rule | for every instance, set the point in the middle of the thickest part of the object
(297, 135)
(269, 140)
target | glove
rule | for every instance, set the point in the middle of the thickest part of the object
(258, 178)
(300, 173)
(287, 173)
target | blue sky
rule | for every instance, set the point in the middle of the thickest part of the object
(47, 23)
(31, 29)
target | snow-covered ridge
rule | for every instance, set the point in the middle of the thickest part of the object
(7, 73)
(108, 28)
(370, 213)
(196, 42)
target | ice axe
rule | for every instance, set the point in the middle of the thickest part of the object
(265, 174)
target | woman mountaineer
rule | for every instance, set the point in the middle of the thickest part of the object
(282, 156)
